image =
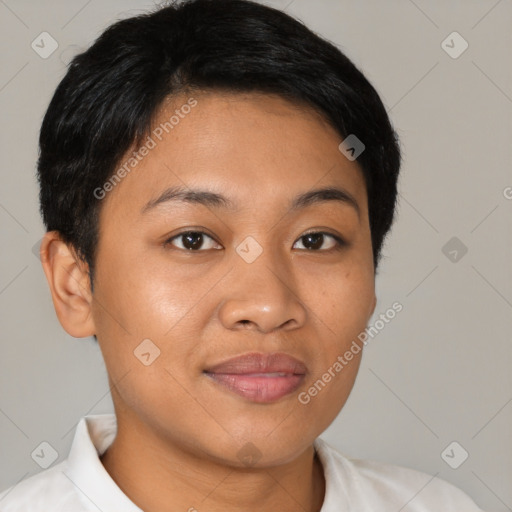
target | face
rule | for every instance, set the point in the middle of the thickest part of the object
(203, 279)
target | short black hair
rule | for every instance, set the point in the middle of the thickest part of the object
(110, 94)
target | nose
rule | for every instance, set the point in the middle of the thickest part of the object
(262, 296)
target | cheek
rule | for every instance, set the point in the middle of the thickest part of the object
(341, 307)
(141, 299)
(138, 300)
(343, 301)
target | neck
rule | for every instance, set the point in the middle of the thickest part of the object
(153, 475)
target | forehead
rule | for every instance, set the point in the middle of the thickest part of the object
(254, 148)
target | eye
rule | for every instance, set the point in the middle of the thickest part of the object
(315, 240)
(192, 241)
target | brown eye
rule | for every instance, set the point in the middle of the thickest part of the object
(320, 241)
(192, 241)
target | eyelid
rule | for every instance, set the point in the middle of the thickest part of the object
(340, 241)
(169, 239)
(323, 231)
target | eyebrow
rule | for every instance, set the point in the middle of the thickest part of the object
(214, 200)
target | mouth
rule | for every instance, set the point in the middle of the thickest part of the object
(258, 377)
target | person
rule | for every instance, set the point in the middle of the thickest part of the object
(217, 182)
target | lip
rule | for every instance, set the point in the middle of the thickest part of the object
(259, 377)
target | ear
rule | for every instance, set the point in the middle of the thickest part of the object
(69, 284)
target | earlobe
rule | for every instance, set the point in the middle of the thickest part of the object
(69, 284)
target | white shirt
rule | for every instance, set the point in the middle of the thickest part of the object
(81, 483)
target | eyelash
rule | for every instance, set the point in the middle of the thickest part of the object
(340, 243)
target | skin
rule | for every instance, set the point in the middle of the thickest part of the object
(179, 432)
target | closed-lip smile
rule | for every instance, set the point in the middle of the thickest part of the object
(259, 377)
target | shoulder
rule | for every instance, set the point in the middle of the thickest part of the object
(370, 484)
(50, 488)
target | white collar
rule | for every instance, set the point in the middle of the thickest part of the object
(95, 433)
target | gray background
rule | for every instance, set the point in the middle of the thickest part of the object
(440, 371)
